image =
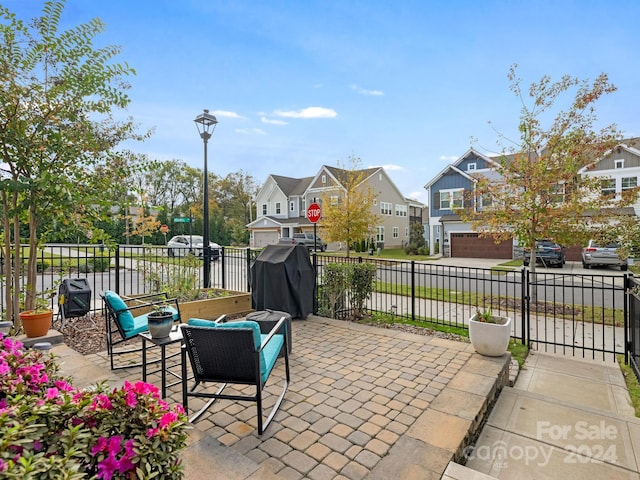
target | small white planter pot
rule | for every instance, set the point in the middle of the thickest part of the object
(490, 339)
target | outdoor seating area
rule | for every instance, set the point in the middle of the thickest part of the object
(355, 401)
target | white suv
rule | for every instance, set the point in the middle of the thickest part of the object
(602, 255)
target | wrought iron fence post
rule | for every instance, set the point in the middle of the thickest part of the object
(413, 289)
(524, 307)
(118, 269)
(248, 260)
(315, 288)
(224, 268)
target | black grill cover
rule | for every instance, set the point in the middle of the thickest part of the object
(282, 278)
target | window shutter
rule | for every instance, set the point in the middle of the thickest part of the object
(436, 200)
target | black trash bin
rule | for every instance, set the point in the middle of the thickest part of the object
(283, 279)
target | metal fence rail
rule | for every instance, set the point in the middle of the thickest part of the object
(589, 315)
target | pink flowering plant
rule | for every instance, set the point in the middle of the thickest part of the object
(51, 430)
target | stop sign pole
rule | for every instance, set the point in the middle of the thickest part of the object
(313, 214)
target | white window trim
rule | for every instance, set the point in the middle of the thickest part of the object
(619, 163)
(472, 167)
(450, 193)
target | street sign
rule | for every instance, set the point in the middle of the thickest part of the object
(181, 220)
(314, 213)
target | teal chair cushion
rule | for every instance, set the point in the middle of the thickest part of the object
(200, 322)
(268, 355)
(125, 318)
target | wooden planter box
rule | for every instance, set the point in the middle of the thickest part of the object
(212, 308)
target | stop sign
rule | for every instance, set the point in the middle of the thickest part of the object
(314, 213)
(164, 229)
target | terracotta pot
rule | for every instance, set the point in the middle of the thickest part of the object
(36, 323)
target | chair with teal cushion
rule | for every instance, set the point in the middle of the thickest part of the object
(232, 353)
(126, 317)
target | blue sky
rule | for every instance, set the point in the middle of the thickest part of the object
(404, 84)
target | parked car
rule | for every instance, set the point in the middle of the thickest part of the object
(595, 254)
(309, 240)
(182, 245)
(548, 253)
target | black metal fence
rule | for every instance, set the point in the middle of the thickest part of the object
(590, 315)
(633, 340)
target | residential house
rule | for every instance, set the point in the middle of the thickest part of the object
(619, 168)
(282, 205)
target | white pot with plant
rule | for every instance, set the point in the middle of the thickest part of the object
(489, 334)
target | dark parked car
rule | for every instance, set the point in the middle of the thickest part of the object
(548, 253)
(602, 255)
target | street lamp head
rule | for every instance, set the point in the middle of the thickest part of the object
(206, 124)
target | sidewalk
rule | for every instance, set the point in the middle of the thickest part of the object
(565, 418)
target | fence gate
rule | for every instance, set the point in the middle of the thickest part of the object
(577, 314)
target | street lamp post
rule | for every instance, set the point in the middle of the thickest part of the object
(206, 124)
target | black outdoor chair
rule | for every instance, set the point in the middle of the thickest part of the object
(232, 353)
(126, 317)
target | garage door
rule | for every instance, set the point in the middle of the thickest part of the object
(264, 238)
(470, 245)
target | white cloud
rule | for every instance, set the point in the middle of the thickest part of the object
(391, 168)
(309, 112)
(363, 91)
(420, 196)
(226, 114)
(448, 158)
(271, 121)
(250, 131)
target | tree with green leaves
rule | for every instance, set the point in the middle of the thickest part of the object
(347, 208)
(56, 129)
(536, 191)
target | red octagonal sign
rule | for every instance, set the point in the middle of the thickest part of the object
(314, 213)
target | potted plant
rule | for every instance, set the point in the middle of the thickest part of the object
(160, 320)
(489, 334)
(37, 321)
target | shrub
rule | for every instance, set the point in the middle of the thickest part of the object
(361, 281)
(101, 264)
(333, 288)
(49, 429)
(42, 265)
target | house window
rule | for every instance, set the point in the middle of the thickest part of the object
(379, 234)
(277, 208)
(291, 206)
(629, 182)
(608, 187)
(486, 200)
(556, 193)
(375, 202)
(618, 163)
(324, 179)
(406, 232)
(471, 167)
(334, 200)
(450, 199)
(385, 208)
(264, 208)
(396, 232)
(401, 210)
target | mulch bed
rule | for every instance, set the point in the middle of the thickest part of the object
(85, 337)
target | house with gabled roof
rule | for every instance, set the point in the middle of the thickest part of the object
(619, 169)
(282, 203)
(448, 233)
